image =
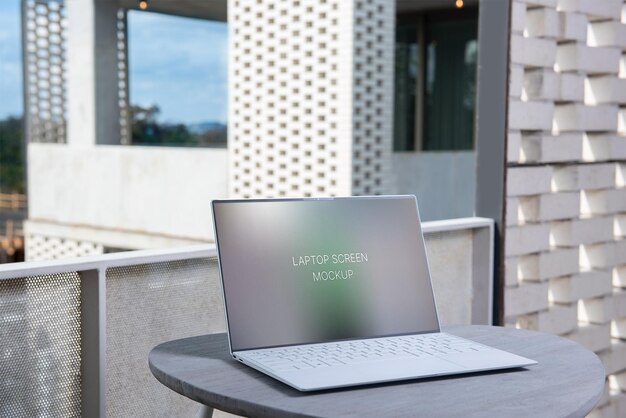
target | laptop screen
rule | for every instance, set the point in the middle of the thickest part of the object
(298, 271)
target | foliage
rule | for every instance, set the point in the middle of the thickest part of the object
(11, 155)
(146, 130)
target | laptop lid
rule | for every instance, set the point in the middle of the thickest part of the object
(300, 271)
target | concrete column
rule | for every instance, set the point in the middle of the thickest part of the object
(310, 97)
(92, 82)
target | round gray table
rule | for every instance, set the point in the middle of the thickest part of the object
(567, 382)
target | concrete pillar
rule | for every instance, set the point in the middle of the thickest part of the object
(92, 82)
(310, 97)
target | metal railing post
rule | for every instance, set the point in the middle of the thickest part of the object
(482, 275)
(93, 342)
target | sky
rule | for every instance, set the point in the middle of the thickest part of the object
(179, 64)
(10, 59)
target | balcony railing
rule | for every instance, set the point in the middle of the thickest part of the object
(75, 334)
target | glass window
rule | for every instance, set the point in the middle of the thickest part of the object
(178, 80)
(435, 96)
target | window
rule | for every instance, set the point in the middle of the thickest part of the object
(435, 81)
(178, 80)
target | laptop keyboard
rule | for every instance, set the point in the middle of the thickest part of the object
(353, 352)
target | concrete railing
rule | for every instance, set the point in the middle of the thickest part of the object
(135, 191)
(443, 181)
(75, 334)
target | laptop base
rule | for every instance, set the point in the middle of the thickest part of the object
(402, 367)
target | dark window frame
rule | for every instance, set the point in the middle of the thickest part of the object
(492, 91)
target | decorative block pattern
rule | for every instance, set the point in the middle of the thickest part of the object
(310, 97)
(558, 319)
(570, 88)
(39, 248)
(285, 99)
(45, 62)
(530, 115)
(526, 239)
(579, 117)
(374, 41)
(605, 89)
(548, 207)
(594, 9)
(122, 77)
(541, 22)
(607, 33)
(581, 231)
(600, 147)
(551, 148)
(532, 52)
(572, 26)
(580, 57)
(528, 180)
(578, 177)
(540, 84)
(526, 299)
(544, 265)
(567, 175)
(45, 84)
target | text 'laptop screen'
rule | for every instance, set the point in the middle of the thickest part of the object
(306, 271)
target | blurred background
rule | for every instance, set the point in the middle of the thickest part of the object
(155, 74)
(121, 119)
(178, 96)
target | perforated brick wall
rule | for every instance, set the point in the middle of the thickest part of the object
(310, 97)
(44, 59)
(43, 247)
(122, 77)
(374, 41)
(566, 197)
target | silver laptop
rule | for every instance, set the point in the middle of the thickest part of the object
(333, 292)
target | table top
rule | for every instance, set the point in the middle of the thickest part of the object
(567, 382)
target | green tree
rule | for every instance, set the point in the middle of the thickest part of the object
(147, 131)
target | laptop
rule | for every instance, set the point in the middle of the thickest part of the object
(325, 293)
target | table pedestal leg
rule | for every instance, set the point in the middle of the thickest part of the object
(205, 412)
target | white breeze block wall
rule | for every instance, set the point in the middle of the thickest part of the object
(566, 191)
(310, 97)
